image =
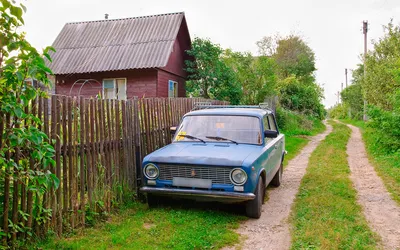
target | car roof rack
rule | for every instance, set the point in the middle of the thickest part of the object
(209, 105)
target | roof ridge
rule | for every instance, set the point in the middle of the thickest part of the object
(128, 18)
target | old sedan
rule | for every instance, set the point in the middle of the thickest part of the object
(228, 154)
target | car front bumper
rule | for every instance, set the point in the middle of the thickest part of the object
(199, 194)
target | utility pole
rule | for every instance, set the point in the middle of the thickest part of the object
(342, 87)
(365, 31)
(345, 72)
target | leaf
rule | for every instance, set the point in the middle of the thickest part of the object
(56, 181)
(18, 112)
(23, 7)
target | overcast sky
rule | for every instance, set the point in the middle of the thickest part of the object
(331, 28)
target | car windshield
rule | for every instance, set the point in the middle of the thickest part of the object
(213, 128)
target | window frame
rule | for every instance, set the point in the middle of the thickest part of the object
(115, 87)
(175, 90)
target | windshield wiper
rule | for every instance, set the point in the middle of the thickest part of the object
(192, 138)
(218, 138)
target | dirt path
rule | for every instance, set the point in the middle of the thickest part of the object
(271, 231)
(381, 212)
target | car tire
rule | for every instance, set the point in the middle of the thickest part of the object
(253, 207)
(152, 200)
(276, 181)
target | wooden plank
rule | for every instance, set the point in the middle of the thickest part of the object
(102, 149)
(46, 196)
(125, 146)
(93, 143)
(64, 154)
(82, 174)
(117, 140)
(75, 181)
(70, 161)
(53, 138)
(88, 153)
(58, 166)
(109, 153)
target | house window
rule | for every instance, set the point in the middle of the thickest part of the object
(114, 88)
(172, 88)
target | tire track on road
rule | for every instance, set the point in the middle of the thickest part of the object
(381, 212)
(272, 230)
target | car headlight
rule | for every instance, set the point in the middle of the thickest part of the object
(238, 176)
(151, 171)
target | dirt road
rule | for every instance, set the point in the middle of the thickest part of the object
(381, 212)
(271, 231)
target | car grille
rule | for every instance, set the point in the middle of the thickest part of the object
(218, 175)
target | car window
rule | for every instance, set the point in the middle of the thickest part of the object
(242, 129)
(272, 123)
(266, 123)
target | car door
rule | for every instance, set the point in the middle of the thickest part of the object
(277, 142)
(269, 150)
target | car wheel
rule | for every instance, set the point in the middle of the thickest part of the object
(276, 181)
(153, 201)
(253, 207)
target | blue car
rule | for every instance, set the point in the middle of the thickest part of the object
(220, 153)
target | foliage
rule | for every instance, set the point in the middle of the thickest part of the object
(255, 74)
(339, 111)
(209, 76)
(353, 100)
(295, 66)
(383, 69)
(302, 97)
(387, 126)
(326, 214)
(19, 61)
(294, 57)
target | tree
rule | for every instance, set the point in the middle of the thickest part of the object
(20, 61)
(383, 64)
(209, 75)
(305, 98)
(255, 74)
(294, 57)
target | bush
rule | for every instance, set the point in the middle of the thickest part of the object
(293, 123)
(387, 125)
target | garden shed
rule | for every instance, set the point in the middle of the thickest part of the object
(122, 58)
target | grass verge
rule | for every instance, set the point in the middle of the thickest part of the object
(325, 213)
(138, 227)
(386, 165)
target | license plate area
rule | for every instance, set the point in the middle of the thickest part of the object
(191, 182)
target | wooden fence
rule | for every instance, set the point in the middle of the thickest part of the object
(99, 145)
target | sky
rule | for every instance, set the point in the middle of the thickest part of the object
(333, 29)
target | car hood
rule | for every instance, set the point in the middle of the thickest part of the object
(221, 154)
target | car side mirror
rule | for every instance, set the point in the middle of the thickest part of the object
(270, 134)
(172, 130)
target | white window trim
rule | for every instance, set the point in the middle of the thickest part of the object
(177, 88)
(115, 82)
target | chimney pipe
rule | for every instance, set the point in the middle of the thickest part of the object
(106, 16)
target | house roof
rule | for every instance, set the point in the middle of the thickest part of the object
(117, 44)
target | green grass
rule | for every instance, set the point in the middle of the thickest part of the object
(139, 227)
(386, 165)
(325, 214)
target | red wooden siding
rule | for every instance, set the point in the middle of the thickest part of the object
(163, 78)
(140, 83)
